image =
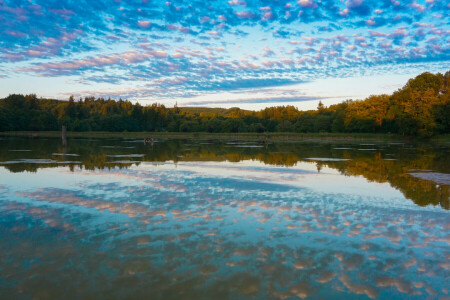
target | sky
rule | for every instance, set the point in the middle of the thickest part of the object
(249, 54)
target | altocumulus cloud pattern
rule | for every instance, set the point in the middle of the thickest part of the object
(147, 49)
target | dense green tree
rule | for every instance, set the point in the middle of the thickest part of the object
(421, 107)
(305, 123)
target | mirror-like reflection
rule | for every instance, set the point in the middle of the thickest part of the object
(115, 219)
(419, 171)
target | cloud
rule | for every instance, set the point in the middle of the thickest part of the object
(144, 24)
(92, 63)
(259, 41)
(245, 15)
(253, 101)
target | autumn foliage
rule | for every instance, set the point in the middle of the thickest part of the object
(420, 108)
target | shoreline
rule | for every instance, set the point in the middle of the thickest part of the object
(272, 136)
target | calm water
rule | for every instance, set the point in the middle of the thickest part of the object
(202, 219)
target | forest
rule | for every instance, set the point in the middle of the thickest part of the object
(420, 108)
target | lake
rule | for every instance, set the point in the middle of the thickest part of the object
(209, 219)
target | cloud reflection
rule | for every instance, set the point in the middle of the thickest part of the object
(190, 233)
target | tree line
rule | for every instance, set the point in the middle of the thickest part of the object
(420, 108)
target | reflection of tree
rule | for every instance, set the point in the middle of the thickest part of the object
(319, 167)
(395, 172)
(103, 154)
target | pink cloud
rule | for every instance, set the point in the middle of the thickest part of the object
(45, 48)
(245, 15)
(376, 33)
(170, 81)
(13, 56)
(287, 61)
(179, 28)
(309, 40)
(204, 19)
(216, 33)
(159, 54)
(16, 33)
(268, 15)
(144, 24)
(418, 7)
(353, 3)
(129, 57)
(440, 32)
(183, 29)
(34, 53)
(237, 2)
(399, 32)
(344, 12)
(251, 66)
(341, 38)
(307, 3)
(267, 63)
(113, 37)
(13, 10)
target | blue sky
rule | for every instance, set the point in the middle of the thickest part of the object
(250, 54)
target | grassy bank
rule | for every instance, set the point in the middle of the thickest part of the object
(282, 136)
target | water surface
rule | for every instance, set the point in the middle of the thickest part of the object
(201, 219)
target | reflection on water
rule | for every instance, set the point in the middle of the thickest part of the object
(114, 219)
(420, 172)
